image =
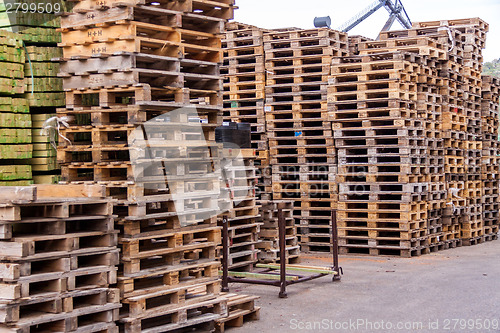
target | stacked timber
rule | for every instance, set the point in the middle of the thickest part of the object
(490, 169)
(43, 90)
(269, 232)
(44, 93)
(301, 147)
(58, 259)
(381, 146)
(132, 73)
(463, 136)
(433, 107)
(15, 122)
(244, 90)
(239, 205)
(408, 116)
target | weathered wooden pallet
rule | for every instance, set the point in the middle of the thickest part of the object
(273, 255)
(173, 241)
(165, 257)
(218, 9)
(97, 318)
(381, 251)
(180, 317)
(157, 302)
(241, 308)
(162, 278)
(143, 95)
(26, 309)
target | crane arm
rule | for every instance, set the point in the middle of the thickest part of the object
(363, 15)
(397, 9)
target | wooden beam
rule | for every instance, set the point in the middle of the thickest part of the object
(17, 193)
(50, 191)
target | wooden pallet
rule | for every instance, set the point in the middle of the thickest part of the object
(241, 308)
(59, 258)
(205, 312)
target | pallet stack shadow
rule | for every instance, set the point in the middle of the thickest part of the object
(131, 71)
(406, 115)
(15, 121)
(239, 203)
(58, 259)
(269, 232)
(244, 91)
(301, 147)
(43, 90)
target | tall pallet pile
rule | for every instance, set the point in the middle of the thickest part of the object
(43, 90)
(128, 67)
(463, 136)
(15, 122)
(439, 104)
(382, 143)
(244, 90)
(239, 204)
(302, 154)
(269, 232)
(58, 259)
(409, 140)
(490, 169)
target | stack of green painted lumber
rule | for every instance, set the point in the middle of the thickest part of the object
(15, 120)
(42, 88)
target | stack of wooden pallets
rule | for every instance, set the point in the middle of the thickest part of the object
(433, 109)
(409, 140)
(15, 121)
(301, 147)
(43, 90)
(269, 232)
(132, 72)
(381, 146)
(463, 139)
(244, 90)
(490, 169)
(58, 258)
(239, 205)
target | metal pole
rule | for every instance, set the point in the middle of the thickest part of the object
(225, 254)
(282, 243)
(335, 247)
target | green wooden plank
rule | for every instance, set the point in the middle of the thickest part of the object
(55, 99)
(15, 152)
(15, 120)
(13, 172)
(17, 183)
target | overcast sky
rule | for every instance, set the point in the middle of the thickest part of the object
(301, 13)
